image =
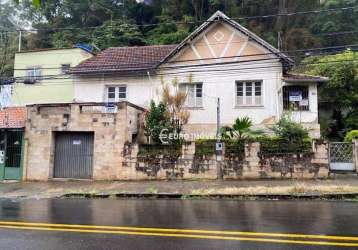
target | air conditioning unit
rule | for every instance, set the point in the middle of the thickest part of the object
(29, 81)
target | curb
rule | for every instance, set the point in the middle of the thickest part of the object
(336, 196)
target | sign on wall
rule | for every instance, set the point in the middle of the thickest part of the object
(295, 96)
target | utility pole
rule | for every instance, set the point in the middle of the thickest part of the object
(219, 145)
(218, 120)
(279, 41)
(20, 38)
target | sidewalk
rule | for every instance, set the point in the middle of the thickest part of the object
(268, 188)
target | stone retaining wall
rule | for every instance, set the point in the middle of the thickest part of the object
(251, 165)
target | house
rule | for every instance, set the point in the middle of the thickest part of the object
(88, 137)
(40, 75)
(12, 125)
(220, 59)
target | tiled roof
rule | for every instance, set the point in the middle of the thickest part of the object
(13, 117)
(125, 59)
(303, 78)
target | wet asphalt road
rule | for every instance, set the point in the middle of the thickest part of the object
(303, 217)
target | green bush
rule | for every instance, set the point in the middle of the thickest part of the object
(277, 145)
(351, 135)
(290, 131)
(207, 147)
(156, 121)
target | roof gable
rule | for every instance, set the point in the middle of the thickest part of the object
(218, 31)
(224, 38)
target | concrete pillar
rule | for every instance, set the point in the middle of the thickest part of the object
(355, 153)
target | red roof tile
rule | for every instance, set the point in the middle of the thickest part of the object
(13, 117)
(125, 59)
(303, 78)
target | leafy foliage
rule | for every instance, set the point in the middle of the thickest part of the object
(207, 147)
(341, 92)
(174, 101)
(240, 130)
(351, 135)
(174, 19)
(290, 131)
(156, 120)
(277, 146)
(169, 116)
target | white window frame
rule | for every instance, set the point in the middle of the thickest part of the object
(118, 89)
(253, 100)
(34, 73)
(197, 101)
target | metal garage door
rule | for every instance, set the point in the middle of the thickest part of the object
(73, 155)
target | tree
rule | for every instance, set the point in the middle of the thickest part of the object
(241, 129)
(174, 100)
(168, 117)
(117, 33)
(341, 92)
(10, 20)
(156, 120)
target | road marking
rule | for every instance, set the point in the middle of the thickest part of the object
(171, 230)
(322, 243)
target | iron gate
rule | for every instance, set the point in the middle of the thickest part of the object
(341, 156)
(11, 149)
(73, 155)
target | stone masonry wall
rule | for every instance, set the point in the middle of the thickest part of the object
(111, 132)
(252, 165)
(115, 155)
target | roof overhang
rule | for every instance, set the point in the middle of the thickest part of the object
(299, 78)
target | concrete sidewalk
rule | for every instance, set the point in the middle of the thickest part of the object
(51, 189)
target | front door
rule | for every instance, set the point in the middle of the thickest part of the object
(11, 144)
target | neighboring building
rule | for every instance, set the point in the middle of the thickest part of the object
(12, 124)
(79, 140)
(41, 75)
(219, 59)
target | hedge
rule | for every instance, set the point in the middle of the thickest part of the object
(207, 147)
(275, 145)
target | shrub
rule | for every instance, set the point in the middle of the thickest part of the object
(240, 130)
(351, 135)
(156, 121)
(207, 147)
(276, 145)
(290, 131)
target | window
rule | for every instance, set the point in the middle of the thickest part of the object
(249, 93)
(295, 98)
(33, 74)
(116, 93)
(65, 68)
(194, 94)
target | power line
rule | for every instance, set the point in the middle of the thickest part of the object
(196, 22)
(207, 71)
(234, 57)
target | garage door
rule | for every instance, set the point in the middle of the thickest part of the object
(73, 155)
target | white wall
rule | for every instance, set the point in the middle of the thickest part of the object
(140, 90)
